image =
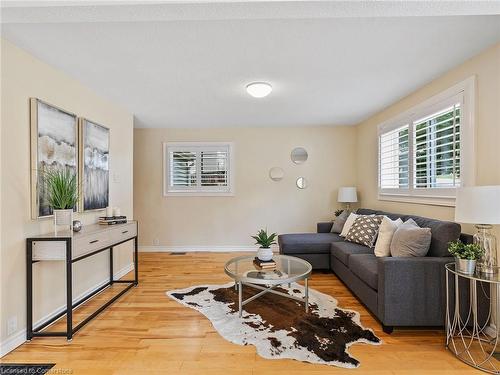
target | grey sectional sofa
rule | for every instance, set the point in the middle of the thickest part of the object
(398, 291)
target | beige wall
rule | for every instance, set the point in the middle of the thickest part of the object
(259, 201)
(22, 77)
(486, 68)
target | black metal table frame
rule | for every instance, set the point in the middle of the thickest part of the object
(70, 330)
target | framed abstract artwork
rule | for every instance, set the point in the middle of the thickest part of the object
(94, 166)
(54, 145)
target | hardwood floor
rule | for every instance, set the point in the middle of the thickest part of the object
(145, 332)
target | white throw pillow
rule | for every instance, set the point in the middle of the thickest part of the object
(348, 224)
(385, 233)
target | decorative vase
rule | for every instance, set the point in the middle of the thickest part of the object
(465, 266)
(63, 217)
(265, 253)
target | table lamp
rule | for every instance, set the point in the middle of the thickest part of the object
(348, 195)
(480, 205)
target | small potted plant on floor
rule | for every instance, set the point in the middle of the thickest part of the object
(265, 241)
(465, 255)
(62, 189)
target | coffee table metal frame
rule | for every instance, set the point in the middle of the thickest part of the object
(268, 285)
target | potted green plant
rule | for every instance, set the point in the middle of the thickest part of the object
(264, 241)
(465, 255)
(62, 191)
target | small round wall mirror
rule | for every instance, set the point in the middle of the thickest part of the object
(299, 155)
(301, 182)
(276, 173)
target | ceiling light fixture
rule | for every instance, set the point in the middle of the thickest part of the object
(259, 89)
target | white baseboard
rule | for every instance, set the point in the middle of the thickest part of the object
(19, 338)
(198, 248)
(12, 342)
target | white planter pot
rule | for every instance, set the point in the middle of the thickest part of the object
(465, 266)
(63, 217)
(265, 253)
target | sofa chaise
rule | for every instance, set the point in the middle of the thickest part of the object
(399, 291)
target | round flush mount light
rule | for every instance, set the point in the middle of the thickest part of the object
(259, 89)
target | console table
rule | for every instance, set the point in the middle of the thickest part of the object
(467, 337)
(71, 247)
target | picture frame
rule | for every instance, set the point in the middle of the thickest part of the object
(94, 143)
(54, 144)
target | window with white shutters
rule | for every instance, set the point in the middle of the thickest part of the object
(198, 168)
(428, 151)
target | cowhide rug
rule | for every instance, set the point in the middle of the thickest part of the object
(279, 327)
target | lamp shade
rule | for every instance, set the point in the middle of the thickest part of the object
(478, 205)
(347, 195)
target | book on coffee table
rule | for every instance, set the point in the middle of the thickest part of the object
(264, 264)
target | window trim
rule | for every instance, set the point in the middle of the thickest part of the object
(435, 196)
(168, 192)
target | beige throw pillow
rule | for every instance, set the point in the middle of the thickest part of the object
(348, 224)
(385, 234)
(410, 240)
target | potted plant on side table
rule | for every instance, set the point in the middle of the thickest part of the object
(465, 255)
(62, 189)
(264, 241)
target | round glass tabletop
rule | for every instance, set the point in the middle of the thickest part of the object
(288, 269)
(487, 278)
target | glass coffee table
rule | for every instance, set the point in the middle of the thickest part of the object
(288, 270)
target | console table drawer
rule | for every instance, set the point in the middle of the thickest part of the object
(90, 243)
(123, 232)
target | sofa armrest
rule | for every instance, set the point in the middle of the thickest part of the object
(324, 227)
(412, 291)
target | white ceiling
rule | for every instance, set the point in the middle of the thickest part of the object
(186, 65)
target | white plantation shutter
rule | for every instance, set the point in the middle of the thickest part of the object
(394, 158)
(437, 149)
(198, 168)
(183, 169)
(214, 168)
(428, 151)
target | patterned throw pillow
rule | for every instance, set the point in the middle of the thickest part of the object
(364, 230)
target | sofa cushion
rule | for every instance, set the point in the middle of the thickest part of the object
(364, 231)
(303, 243)
(339, 222)
(364, 266)
(410, 240)
(348, 224)
(342, 250)
(442, 232)
(384, 239)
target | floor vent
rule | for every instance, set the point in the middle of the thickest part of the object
(178, 253)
